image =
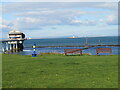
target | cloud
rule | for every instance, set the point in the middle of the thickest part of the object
(112, 20)
(28, 6)
(19, 23)
(83, 22)
(28, 20)
(101, 20)
(60, 1)
(30, 23)
(108, 5)
(4, 24)
(76, 21)
(51, 13)
(26, 23)
(54, 28)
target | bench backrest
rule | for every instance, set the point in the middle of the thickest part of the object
(73, 51)
(103, 50)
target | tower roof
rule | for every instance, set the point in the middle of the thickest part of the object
(15, 32)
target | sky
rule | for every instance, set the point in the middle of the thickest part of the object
(60, 19)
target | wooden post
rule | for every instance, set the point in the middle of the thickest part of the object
(81, 53)
(10, 47)
(3, 50)
(16, 46)
(6, 46)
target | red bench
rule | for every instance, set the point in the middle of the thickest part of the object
(103, 50)
(73, 51)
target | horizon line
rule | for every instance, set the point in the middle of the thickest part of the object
(63, 37)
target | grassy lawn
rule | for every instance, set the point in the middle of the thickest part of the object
(59, 71)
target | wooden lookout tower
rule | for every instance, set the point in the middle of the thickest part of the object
(86, 44)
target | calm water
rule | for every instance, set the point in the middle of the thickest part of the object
(72, 42)
(69, 42)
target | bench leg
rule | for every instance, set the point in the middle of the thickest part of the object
(80, 53)
(66, 54)
(97, 54)
(110, 53)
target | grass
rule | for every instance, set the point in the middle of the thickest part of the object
(59, 71)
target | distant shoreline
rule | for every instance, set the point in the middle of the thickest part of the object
(73, 38)
(66, 37)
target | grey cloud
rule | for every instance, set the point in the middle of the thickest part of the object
(54, 13)
(54, 28)
(39, 6)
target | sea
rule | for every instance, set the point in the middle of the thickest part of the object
(57, 45)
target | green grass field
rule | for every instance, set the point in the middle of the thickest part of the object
(59, 71)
